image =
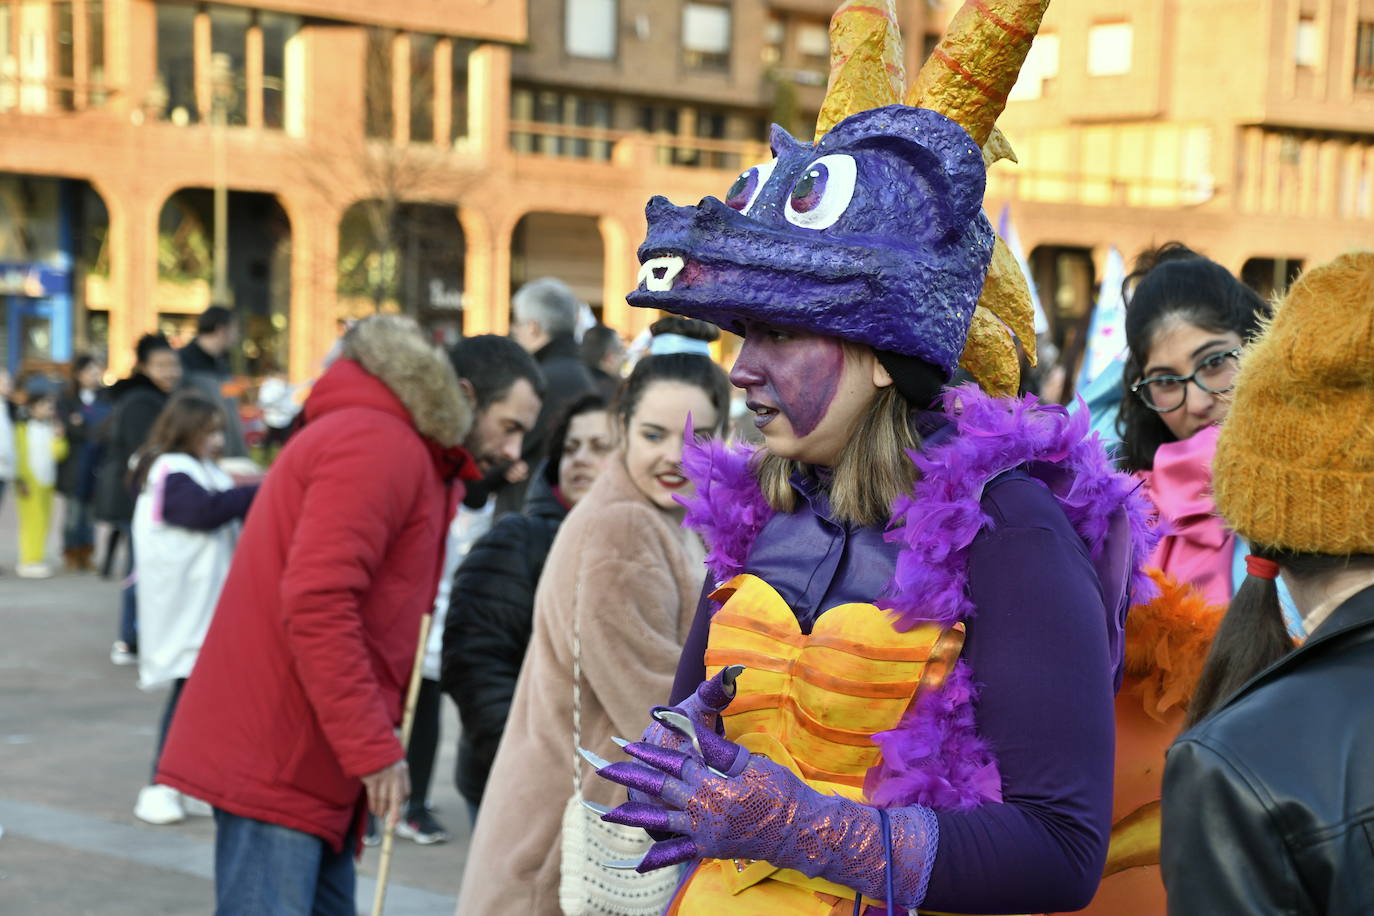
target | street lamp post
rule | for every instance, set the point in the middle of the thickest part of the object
(221, 77)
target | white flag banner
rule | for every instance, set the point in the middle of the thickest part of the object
(1007, 230)
(1106, 342)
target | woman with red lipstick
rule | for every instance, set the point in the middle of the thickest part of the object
(621, 582)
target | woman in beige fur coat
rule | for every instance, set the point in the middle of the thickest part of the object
(628, 573)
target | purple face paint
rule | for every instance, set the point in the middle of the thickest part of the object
(794, 373)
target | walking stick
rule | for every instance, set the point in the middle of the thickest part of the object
(407, 719)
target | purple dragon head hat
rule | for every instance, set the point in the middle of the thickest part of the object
(876, 234)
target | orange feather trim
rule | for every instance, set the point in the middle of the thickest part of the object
(1167, 641)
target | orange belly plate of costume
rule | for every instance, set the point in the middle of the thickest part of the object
(810, 702)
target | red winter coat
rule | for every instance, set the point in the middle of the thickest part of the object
(301, 680)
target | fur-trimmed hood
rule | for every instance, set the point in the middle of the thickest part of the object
(393, 349)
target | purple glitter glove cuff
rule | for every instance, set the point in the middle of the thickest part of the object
(765, 812)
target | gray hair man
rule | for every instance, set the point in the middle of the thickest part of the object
(544, 322)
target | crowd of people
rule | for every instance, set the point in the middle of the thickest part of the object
(917, 641)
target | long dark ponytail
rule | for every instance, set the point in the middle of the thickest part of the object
(1253, 635)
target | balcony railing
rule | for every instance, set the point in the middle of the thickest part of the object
(52, 94)
(634, 147)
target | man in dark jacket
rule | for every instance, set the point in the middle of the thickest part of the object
(136, 402)
(505, 386)
(603, 353)
(288, 726)
(544, 322)
(205, 366)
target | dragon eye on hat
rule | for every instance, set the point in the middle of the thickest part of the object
(822, 193)
(746, 188)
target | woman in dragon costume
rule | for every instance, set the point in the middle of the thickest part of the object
(898, 692)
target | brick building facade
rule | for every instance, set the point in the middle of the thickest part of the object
(427, 157)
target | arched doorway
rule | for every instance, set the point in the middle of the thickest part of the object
(1270, 277)
(406, 258)
(1067, 282)
(560, 245)
(258, 278)
(53, 261)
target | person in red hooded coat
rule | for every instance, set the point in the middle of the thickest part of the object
(287, 724)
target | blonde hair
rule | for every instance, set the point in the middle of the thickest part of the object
(872, 471)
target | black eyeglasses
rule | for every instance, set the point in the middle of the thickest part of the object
(1215, 375)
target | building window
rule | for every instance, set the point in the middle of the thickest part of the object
(1364, 56)
(458, 88)
(813, 47)
(706, 36)
(64, 54)
(422, 88)
(176, 64)
(774, 33)
(278, 37)
(1041, 66)
(589, 28)
(531, 107)
(1109, 49)
(95, 50)
(377, 79)
(229, 61)
(1305, 42)
(9, 64)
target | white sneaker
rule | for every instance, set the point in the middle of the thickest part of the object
(159, 805)
(195, 807)
(33, 571)
(120, 654)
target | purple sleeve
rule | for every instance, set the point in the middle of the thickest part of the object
(691, 667)
(187, 504)
(1038, 646)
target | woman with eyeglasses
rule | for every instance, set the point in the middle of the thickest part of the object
(1186, 324)
(1187, 321)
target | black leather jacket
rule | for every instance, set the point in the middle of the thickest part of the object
(1269, 803)
(490, 618)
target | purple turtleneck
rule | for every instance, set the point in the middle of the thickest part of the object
(1038, 645)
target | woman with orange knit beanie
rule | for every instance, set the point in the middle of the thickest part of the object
(1269, 798)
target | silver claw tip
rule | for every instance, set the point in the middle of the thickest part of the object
(624, 864)
(593, 759)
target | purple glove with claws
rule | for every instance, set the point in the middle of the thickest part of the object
(726, 804)
(703, 707)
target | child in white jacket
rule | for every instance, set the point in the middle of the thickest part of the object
(186, 522)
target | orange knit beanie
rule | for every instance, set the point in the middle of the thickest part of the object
(1294, 466)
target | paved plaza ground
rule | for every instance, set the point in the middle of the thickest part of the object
(76, 739)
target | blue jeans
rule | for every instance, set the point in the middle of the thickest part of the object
(264, 869)
(77, 528)
(128, 596)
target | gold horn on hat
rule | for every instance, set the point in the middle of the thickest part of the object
(972, 70)
(967, 78)
(866, 69)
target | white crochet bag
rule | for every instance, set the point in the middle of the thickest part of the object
(586, 887)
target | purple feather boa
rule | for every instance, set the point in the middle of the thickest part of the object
(726, 507)
(935, 756)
